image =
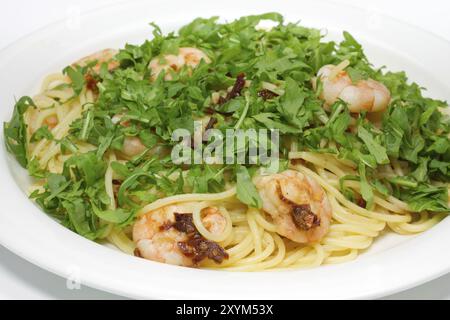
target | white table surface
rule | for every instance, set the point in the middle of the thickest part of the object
(20, 279)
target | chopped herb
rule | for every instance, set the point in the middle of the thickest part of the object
(246, 190)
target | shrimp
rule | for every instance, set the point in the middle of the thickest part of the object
(51, 121)
(365, 95)
(168, 235)
(190, 57)
(297, 204)
(132, 146)
(101, 57)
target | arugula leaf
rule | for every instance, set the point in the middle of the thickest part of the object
(121, 169)
(426, 198)
(88, 124)
(232, 105)
(394, 126)
(412, 145)
(114, 216)
(271, 121)
(440, 145)
(440, 167)
(35, 170)
(56, 184)
(420, 174)
(88, 167)
(403, 182)
(41, 133)
(77, 77)
(169, 186)
(292, 102)
(15, 131)
(244, 112)
(105, 143)
(128, 183)
(67, 145)
(206, 179)
(375, 148)
(380, 187)
(338, 123)
(77, 214)
(366, 189)
(148, 139)
(246, 190)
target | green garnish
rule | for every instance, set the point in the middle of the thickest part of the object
(15, 131)
(246, 190)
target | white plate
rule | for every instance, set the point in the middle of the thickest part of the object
(394, 263)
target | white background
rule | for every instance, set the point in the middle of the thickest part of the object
(22, 280)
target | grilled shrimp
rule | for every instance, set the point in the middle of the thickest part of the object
(364, 95)
(51, 121)
(168, 235)
(186, 56)
(132, 146)
(104, 56)
(297, 204)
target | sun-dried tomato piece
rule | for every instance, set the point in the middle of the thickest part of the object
(184, 223)
(196, 246)
(304, 218)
